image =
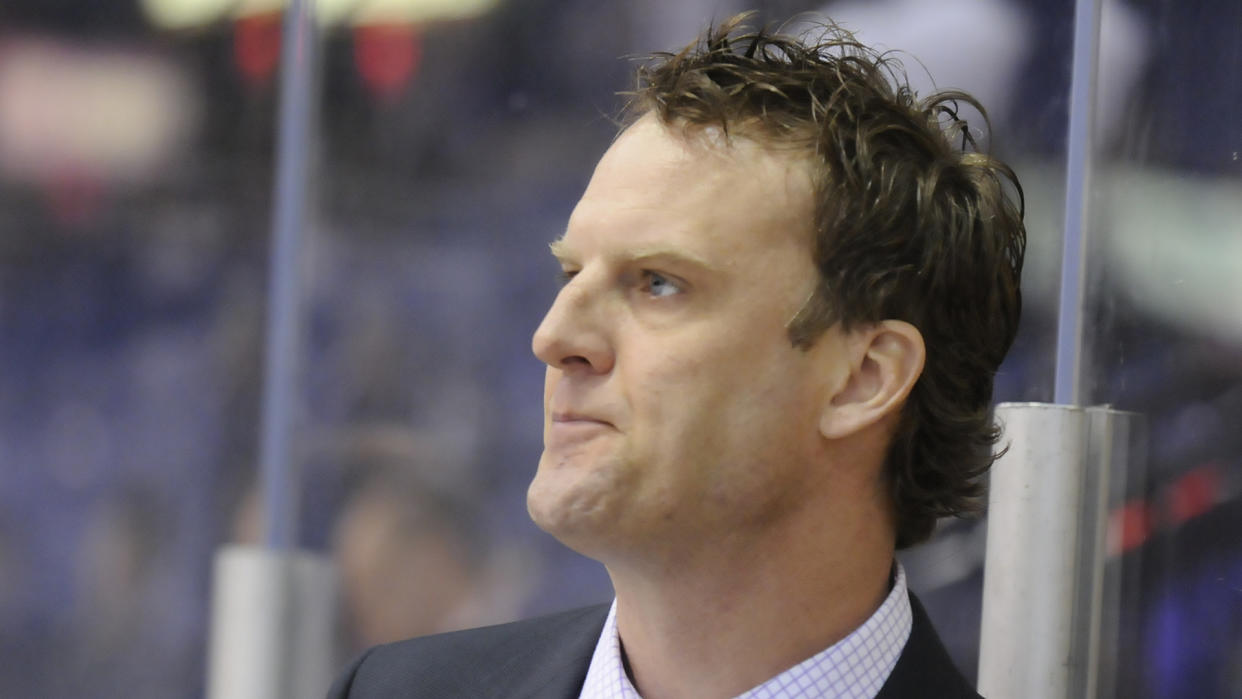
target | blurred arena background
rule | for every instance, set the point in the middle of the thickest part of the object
(136, 168)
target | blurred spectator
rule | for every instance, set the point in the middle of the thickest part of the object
(407, 530)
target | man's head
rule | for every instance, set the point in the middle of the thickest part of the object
(818, 228)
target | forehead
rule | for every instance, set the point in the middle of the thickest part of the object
(662, 185)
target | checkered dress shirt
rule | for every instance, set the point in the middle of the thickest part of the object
(855, 667)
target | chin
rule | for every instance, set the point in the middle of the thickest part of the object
(580, 518)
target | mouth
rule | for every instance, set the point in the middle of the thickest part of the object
(572, 418)
(566, 429)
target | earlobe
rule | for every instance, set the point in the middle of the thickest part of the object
(884, 361)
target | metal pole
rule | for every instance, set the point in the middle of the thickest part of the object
(1115, 451)
(294, 143)
(1029, 583)
(1050, 595)
(1067, 389)
(272, 608)
(272, 619)
(1046, 587)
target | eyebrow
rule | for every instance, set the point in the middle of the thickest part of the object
(560, 250)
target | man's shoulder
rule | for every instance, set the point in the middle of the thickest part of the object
(925, 668)
(542, 656)
(484, 641)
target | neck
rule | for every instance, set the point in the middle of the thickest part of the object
(724, 618)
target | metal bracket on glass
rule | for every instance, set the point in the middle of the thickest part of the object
(272, 615)
(1049, 593)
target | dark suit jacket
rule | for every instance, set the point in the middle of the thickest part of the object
(548, 657)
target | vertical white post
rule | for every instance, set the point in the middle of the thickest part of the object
(1027, 643)
(1116, 455)
(1050, 592)
(272, 617)
(273, 608)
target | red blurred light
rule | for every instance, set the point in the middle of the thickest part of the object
(387, 57)
(1131, 525)
(73, 197)
(1193, 494)
(256, 47)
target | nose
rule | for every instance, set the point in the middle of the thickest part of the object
(574, 334)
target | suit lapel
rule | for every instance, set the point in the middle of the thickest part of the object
(924, 668)
(549, 665)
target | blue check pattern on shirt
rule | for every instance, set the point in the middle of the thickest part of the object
(856, 667)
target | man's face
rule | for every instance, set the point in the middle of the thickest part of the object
(675, 406)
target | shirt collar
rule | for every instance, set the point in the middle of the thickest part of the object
(856, 667)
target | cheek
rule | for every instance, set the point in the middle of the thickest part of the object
(716, 388)
(759, 404)
(685, 407)
(666, 389)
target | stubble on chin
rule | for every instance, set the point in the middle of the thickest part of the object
(581, 504)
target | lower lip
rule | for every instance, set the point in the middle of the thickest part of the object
(566, 432)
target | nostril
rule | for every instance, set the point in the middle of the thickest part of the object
(575, 360)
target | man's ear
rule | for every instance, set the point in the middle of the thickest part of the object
(884, 361)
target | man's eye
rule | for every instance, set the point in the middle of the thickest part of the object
(565, 276)
(658, 285)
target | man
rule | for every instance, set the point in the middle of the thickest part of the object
(786, 293)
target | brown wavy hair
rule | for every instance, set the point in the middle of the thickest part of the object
(911, 222)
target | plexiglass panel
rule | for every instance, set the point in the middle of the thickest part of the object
(134, 178)
(1164, 338)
